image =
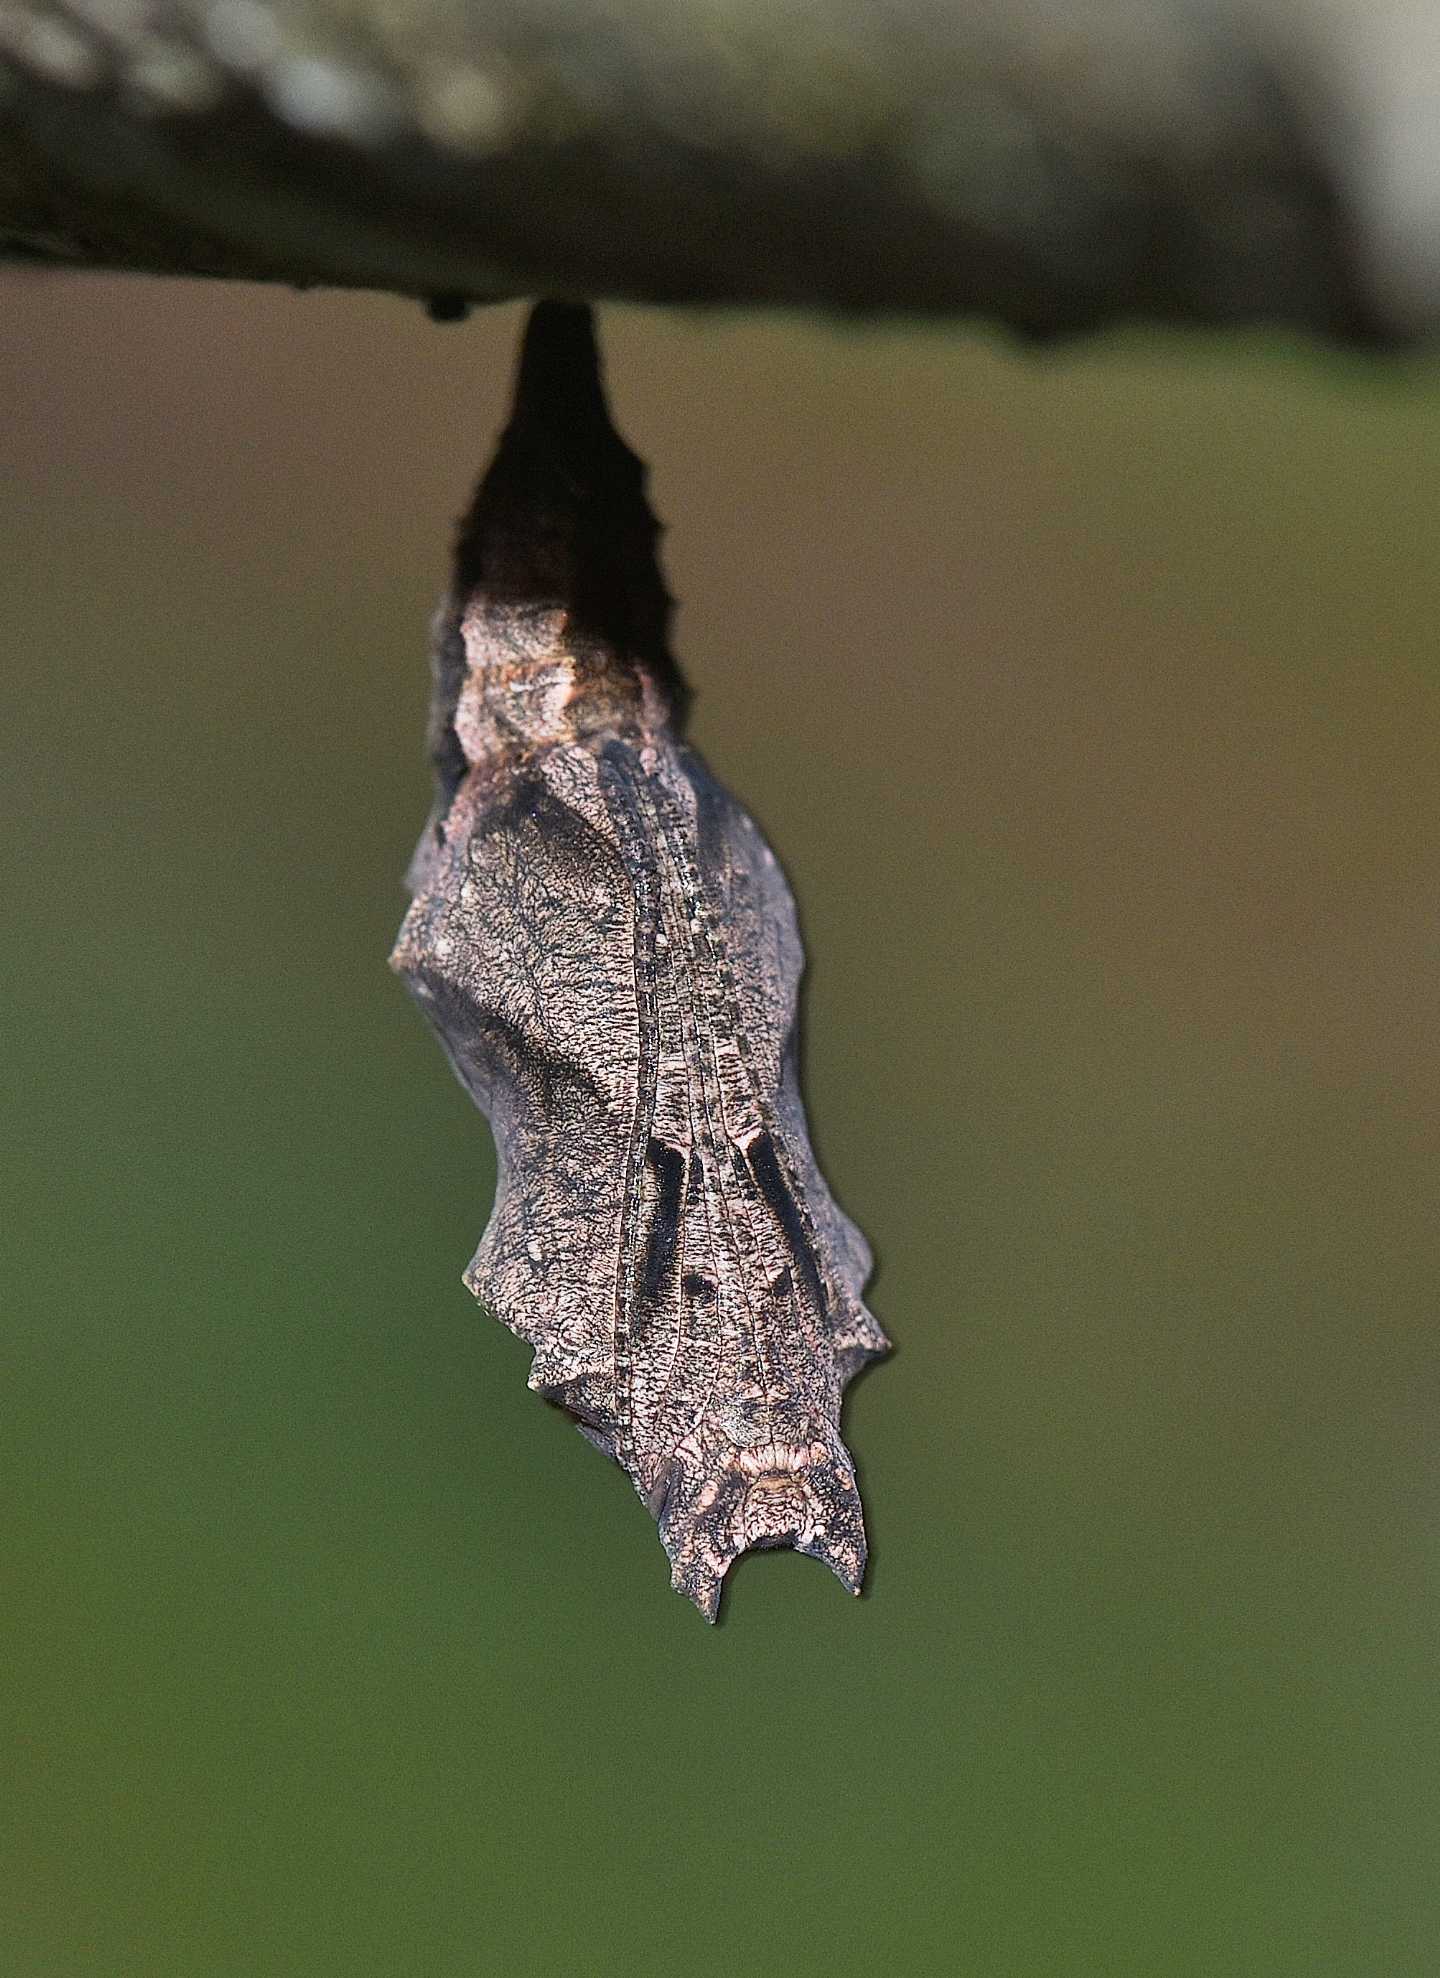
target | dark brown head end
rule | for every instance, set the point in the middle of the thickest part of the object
(561, 517)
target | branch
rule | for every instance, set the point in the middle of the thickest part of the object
(1052, 164)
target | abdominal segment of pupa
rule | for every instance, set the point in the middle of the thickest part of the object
(608, 950)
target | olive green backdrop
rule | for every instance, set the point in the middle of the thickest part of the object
(1091, 700)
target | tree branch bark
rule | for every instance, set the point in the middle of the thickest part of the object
(1051, 164)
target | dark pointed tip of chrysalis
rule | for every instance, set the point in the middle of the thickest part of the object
(560, 458)
(561, 517)
(558, 381)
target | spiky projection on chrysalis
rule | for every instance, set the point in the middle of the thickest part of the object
(608, 949)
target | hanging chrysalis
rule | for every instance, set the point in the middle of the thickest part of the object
(608, 950)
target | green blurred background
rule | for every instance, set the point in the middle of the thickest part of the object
(1092, 703)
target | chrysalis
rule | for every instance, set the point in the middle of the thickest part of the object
(608, 950)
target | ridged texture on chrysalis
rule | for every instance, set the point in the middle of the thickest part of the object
(608, 949)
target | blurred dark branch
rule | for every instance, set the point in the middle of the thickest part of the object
(1048, 163)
